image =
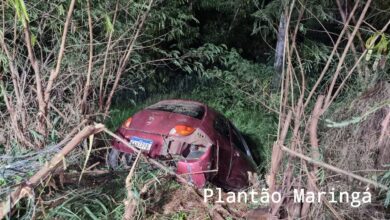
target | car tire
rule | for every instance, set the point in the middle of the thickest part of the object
(116, 159)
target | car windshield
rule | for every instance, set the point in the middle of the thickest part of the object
(188, 109)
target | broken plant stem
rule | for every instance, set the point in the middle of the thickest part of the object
(88, 153)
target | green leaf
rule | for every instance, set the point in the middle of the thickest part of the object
(108, 24)
(36, 135)
(33, 39)
(90, 213)
(21, 11)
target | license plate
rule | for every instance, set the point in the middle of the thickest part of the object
(140, 143)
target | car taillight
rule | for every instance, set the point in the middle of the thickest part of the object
(127, 123)
(183, 130)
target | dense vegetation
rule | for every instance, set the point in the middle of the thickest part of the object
(105, 60)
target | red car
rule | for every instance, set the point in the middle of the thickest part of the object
(202, 143)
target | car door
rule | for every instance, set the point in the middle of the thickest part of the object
(241, 160)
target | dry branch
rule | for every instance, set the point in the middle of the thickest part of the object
(335, 169)
(291, 174)
(90, 62)
(385, 125)
(12, 67)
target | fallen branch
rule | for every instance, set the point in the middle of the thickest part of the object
(333, 168)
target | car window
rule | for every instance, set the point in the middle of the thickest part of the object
(221, 125)
(188, 109)
(237, 141)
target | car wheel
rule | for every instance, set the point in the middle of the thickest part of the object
(116, 159)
